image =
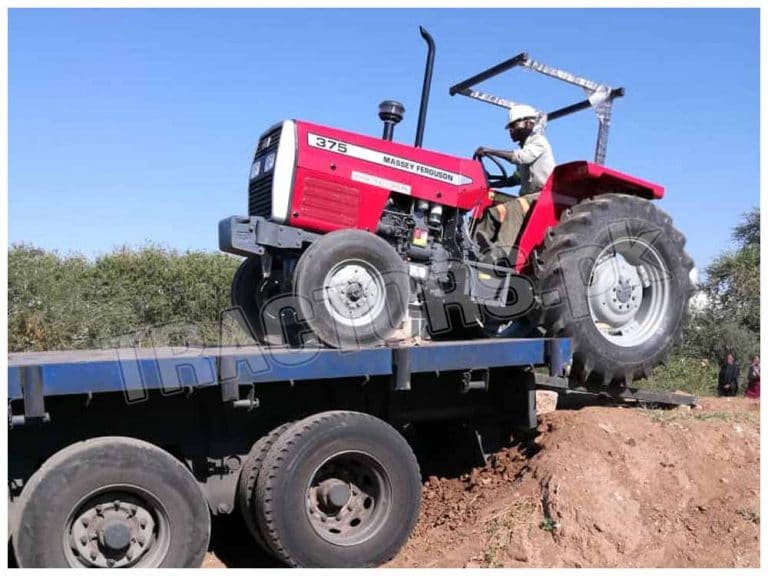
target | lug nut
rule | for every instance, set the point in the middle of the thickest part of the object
(83, 540)
(143, 524)
(85, 521)
(94, 555)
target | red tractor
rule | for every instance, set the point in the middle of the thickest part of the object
(349, 238)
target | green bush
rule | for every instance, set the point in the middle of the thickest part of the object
(60, 302)
(685, 374)
(731, 320)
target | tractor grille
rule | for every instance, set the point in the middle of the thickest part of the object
(260, 197)
(260, 188)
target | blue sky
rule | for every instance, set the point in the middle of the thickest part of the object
(135, 126)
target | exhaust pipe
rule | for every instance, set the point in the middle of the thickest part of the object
(425, 88)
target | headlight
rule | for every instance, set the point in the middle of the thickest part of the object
(269, 162)
(255, 169)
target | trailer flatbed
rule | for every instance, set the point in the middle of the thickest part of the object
(135, 371)
(164, 438)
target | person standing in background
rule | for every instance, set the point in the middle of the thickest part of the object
(728, 379)
(753, 378)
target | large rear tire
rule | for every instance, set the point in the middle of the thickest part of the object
(616, 280)
(338, 489)
(352, 288)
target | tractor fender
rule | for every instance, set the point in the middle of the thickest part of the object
(569, 184)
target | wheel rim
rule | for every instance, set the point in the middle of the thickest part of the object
(354, 293)
(349, 498)
(629, 292)
(117, 527)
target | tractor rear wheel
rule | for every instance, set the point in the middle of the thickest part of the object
(352, 288)
(616, 280)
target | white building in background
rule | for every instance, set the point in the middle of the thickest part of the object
(699, 302)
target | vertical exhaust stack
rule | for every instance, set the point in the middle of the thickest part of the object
(391, 113)
(425, 88)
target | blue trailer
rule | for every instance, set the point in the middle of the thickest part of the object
(119, 457)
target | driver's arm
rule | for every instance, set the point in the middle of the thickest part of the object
(528, 154)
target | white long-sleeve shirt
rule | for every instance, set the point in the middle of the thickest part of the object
(535, 163)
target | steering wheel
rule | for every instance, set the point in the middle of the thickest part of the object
(493, 179)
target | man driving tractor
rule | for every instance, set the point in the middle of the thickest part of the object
(535, 163)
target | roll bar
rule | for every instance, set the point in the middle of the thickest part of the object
(600, 96)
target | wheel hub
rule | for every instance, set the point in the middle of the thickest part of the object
(114, 534)
(629, 292)
(348, 500)
(616, 291)
(354, 292)
(334, 493)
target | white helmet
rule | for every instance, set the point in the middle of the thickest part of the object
(520, 111)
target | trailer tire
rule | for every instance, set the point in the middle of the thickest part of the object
(616, 281)
(352, 288)
(359, 486)
(112, 501)
(246, 486)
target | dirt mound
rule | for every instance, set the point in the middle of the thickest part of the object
(606, 487)
(600, 487)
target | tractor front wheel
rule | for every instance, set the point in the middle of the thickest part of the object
(352, 288)
(266, 307)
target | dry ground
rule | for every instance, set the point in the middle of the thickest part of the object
(606, 487)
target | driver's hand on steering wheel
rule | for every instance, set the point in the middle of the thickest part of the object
(480, 152)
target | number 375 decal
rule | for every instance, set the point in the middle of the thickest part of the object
(327, 143)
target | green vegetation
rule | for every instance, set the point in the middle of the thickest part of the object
(683, 373)
(548, 524)
(731, 321)
(694, 415)
(60, 302)
(499, 530)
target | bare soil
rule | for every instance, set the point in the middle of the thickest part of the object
(599, 487)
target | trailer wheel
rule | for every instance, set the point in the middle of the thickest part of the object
(338, 489)
(353, 288)
(112, 502)
(616, 280)
(246, 486)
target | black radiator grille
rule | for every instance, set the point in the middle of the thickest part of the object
(260, 188)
